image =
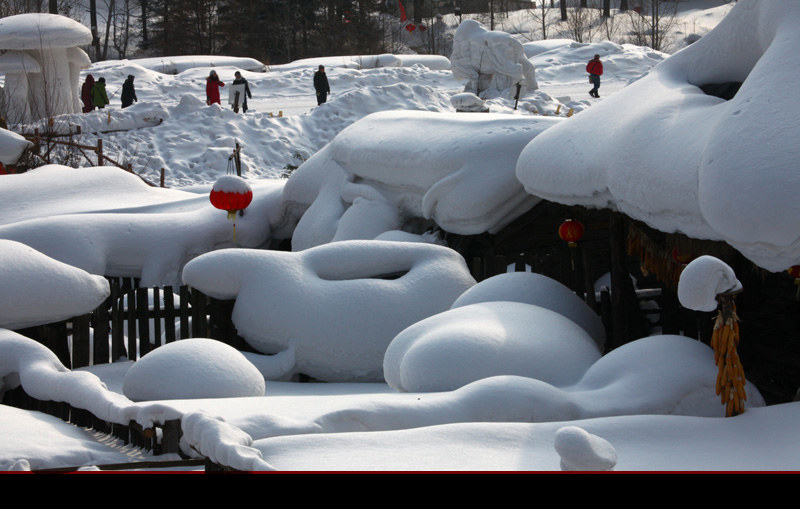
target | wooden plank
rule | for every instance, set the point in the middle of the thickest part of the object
(81, 351)
(157, 315)
(131, 317)
(102, 329)
(169, 314)
(184, 312)
(142, 307)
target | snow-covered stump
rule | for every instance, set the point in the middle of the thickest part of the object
(582, 451)
(705, 284)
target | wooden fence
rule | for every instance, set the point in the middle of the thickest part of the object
(135, 320)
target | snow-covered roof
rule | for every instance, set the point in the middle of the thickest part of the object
(35, 31)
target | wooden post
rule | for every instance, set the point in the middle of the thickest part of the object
(100, 152)
(162, 178)
(618, 276)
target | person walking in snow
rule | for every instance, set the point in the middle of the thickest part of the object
(86, 94)
(321, 85)
(241, 81)
(128, 92)
(595, 70)
(99, 97)
(213, 84)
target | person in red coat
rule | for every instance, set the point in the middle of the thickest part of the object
(86, 94)
(595, 70)
(213, 84)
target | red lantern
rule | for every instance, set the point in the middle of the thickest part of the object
(411, 27)
(231, 193)
(422, 28)
(571, 231)
(679, 257)
(794, 271)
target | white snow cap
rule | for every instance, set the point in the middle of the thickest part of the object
(702, 280)
(192, 369)
(35, 31)
(232, 184)
(36, 289)
(582, 451)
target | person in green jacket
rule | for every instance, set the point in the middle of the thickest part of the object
(99, 97)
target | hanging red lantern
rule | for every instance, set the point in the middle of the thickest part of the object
(232, 194)
(411, 27)
(422, 28)
(679, 257)
(571, 231)
(794, 271)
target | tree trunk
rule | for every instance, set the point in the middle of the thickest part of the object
(93, 22)
(606, 8)
(53, 7)
(623, 5)
(563, 10)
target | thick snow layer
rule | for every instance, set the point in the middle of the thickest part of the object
(108, 222)
(582, 451)
(179, 63)
(465, 344)
(537, 290)
(35, 289)
(685, 161)
(433, 62)
(492, 61)
(395, 170)
(702, 280)
(11, 146)
(37, 31)
(192, 369)
(341, 304)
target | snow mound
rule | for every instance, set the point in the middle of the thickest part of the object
(192, 369)
(493, 62)
(454, 348)
(108, 222)
(36, 289)
(582, 451)
(681, 160)
(406, 170)
(179, 64)
(11, 146)
(340, 303)
(537, 290)
(702, 280)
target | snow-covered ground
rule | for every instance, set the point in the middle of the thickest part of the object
(483, 393)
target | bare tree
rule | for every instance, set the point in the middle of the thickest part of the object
(563, 4)
(542, 14)
(651, 27)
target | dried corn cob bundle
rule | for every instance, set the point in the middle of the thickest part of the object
(730, 377)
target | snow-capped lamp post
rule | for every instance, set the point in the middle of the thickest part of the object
(42, 63)
(232, 194)
(705, 285)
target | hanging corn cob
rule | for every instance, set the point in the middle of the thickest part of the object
(724, 341)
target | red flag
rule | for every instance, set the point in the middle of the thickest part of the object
(402, 12)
